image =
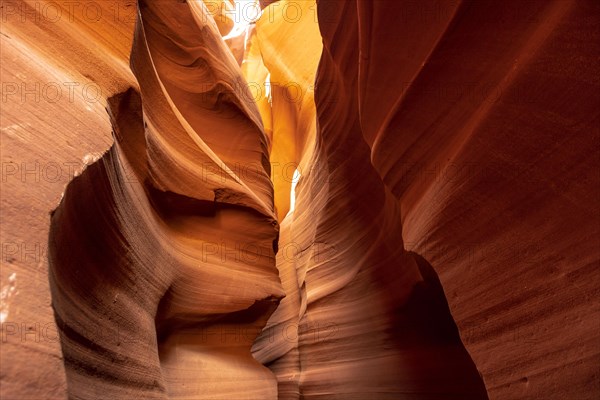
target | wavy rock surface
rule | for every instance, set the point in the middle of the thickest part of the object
(56, 73)
(485, 131)
(193, 260)
(353, 199)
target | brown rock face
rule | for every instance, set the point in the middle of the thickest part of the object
(335, 200)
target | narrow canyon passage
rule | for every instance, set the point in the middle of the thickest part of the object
(340, 199)
(180, 262)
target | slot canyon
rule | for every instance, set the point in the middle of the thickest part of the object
(300, 199)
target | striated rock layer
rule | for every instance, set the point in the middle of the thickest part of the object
(487, 134)
(173, 249)
(346, 200)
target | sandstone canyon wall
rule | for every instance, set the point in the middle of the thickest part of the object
(349, 199)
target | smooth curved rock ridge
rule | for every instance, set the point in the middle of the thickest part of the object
(56, 76)
(179, 267)
(360, 293)
(484, 130)
(394, 200)
(205, 91)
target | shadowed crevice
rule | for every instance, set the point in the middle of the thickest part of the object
(425, 332)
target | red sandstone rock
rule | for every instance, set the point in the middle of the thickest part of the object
(394, 200)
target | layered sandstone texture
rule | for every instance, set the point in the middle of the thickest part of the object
(343, 199)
